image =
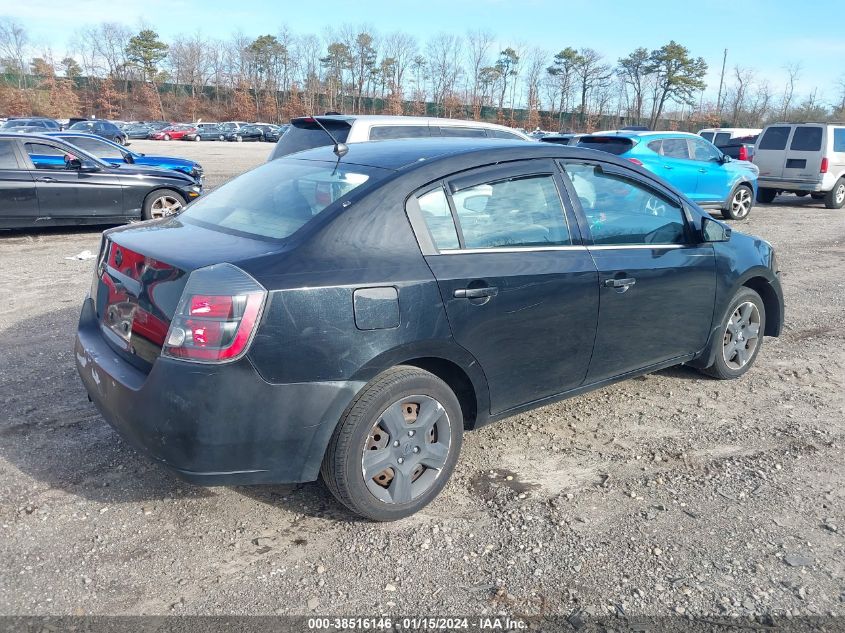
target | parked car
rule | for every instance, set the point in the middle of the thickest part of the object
(233, 126)
(246, 133)
(172, 132)
(272, 133)
(116, 154)
(106, 129)
(36, 189)
(29, 125)
(563, 139)
(137, 131)
(695, 166)
(802, 158)
(206, 133)
(720, 136)
(326, 313)
(305, 132)
(157, 125)
(740, 148)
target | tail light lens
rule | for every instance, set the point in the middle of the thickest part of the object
(636, 161)
(823, 169)
(743, 152)
(216, 317)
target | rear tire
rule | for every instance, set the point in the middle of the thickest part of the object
(765, 195)
(161, 203)
(166, 137)
(835, 198)
(740, 336)
(239, 138)
(406, 470)
(118, 140)
(197, 138)
(741, 203)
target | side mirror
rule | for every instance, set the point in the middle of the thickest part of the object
(725, 159)
(713, 231)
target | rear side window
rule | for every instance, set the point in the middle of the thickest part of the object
(839, 139)
(707, 136)
(494, 133)
(806, 139)
(46, 156)
(384, 132)
(524, 211)
(612, 144)
(620, 211)
(774, 138)
(438, 218)
(280, 197)
(8, 160)
(722, 138)
(675, 148)
(302, 136)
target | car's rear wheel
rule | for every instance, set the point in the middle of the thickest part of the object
(118, 140)
(221, 138)
(835, 198)
(766, 195)
(167, 137)
(741, 203)
(161, 203)
(239, 138)
(197, 138)
(741, 336)
(396, 445)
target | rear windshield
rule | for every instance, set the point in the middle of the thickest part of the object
(774, 138)
(721, 138)
(280, 197)
(301, 136)
(807, 139)
(707, 136)
(613, 144)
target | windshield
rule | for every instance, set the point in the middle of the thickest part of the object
(280, 197)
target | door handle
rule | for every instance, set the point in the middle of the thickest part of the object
(45, 179)
(668, 167)
(476, 293)
(620, 283)
(702, 171)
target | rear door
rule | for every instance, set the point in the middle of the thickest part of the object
(770, 152)
(657, 285)
(520, 290)
(676, 165)
(18, 201)
(804, 156)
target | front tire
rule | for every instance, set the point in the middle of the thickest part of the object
(741, 203)
(118, 140)
(239, 138)
(166, 137)
(741, 336)
(197, 138)
(161, 203)
(765, 195)
(835, 198)
(396, 445)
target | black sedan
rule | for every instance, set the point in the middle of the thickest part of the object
(45, 181)
(245, 133)
(350, 313)
(137, 131)
(206, 133)
(272, 133)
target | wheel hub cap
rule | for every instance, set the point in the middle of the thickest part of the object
(741, 335)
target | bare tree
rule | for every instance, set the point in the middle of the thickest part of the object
(793, 72)
(479, 44)
(14, 48)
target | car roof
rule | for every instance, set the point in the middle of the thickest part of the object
(635, 134)
(411, 120)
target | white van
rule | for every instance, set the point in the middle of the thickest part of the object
(720, 136)
(802, 158)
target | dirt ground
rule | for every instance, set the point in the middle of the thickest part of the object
(664, 495)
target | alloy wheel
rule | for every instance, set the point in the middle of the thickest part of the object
(164, 206)
(741, 203)
(840, 194)
(742, 335)
(406, 449)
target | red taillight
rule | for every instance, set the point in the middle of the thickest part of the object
(636, 161)
(823, 169)
(743, 152)
(215, 327)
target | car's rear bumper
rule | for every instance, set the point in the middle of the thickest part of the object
(212, 424)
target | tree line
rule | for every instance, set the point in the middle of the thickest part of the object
(110, 71)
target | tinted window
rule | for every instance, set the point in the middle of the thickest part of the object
(774, 138)
(99, 148)
(438, 219)
(383, 132)
(83, 126)
(463, 131)
(302, 136)
(8, 160)
(656, 146)
(45, 156)
(613, 144)
(839, 139)
(620, 211)
(503, 134)
(524, 211)
(278, 198)
(721, 139)
(807, 139)
(703, 151)
(708, 136)
(675, 148)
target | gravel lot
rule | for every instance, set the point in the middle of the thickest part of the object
(664, 495)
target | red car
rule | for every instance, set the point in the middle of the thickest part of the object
(174, 132)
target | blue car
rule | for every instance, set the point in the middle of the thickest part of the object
(693, 165)
(115, 154)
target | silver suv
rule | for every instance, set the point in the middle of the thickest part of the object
(802, 158)
(306, 132)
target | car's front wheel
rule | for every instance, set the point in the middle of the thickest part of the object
(741, 336)
(118, 140)
(766, 195)
(742, 200)
(396, 445)
(197, 138)
(239, 138)
(835, 198)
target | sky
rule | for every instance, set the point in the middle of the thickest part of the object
(764, 35)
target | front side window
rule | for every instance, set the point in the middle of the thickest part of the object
(704, 151)
(278, 198)
(774, 138)
(438, 218)
(522, 211)
(8, 160)
(496, 133)
(622, 212)
(806, 139)
(384, 132)
(839, 139)
(462, 131)
(96, 147)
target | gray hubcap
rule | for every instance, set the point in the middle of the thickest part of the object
(840, 194)
(164, 205)
(741, 203)
(406, 450)
(741, 335)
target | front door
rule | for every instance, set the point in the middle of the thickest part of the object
(65, 193)
(714, 181)
(657, 285)
(521, 292)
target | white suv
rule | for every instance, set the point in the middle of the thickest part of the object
(802, 158)
(306, 132)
